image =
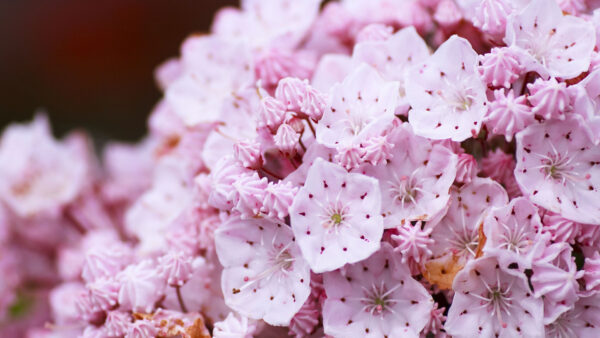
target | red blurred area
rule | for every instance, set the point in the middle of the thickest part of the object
(90, 63)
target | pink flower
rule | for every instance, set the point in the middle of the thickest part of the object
(415, 182)
(447, 13)
(301, 98)
(117, 323)
(238, 119)
(466, 168)
(513, 233)
(375, 297)
(559, 169)
(105, 260)
(63, 302)
(92, 331)
(278, 199)
(271, 113)
(264, 276)
(142, 328)
(436, 320)
(248, 153)
(446, 93)
(573, 7)
(591, 270)
(286, 139)
(374, 32)
(38, 173)
(140, 287)
(362, 106)
(249, 194)
(508, 114)
(129, 170)
(265, 23)
(225, 173)
(104, 293)
(557, 45)
(490, 16)
(275, 64)
(500, 67)
(150, 216)
(490, 300)
(313, 104)
(585, 97)
(582, 321)
(555, 278)
(377, 150)
(549, 99)
(413, 242)
(458, 231)
(350, 157)
(235, 326)
(291, 92)
(560, 228)
(167, 72)
(589, 234)
(336, 217)
(306, 320)
(86, 310)
(176, 267)
(212, 68)
(393, 57)
(498, 166)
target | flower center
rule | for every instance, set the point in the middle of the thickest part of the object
(515, 239)
(284, 260)
(357, 122)
(498, 300)
(559, 166)
(378, 299)
(336, 218)
(405, 190)
(465, 244)
(458, 96)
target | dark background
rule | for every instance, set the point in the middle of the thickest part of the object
(90, 64)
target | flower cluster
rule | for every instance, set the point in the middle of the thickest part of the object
(359, 168)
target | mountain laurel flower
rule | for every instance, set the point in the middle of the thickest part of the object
(489, 300)
(278, 199)
(271, 113)
(557, 45)
(500, 67)
(413, 242)
(458, 231)
(264, 276)
(336, 217)
(446, 93)
(353, 168)
(550, 99)
(591, 269)
(374, 32)
(286, 139)
(558, 167)
(466, 168)
(377, 297)
(508, 114)
(177, 267)
(248, 154)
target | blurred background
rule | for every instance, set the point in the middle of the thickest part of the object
(90, 64)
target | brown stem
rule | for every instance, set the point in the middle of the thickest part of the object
(302, 143)
(311, 127)
(180, 299)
